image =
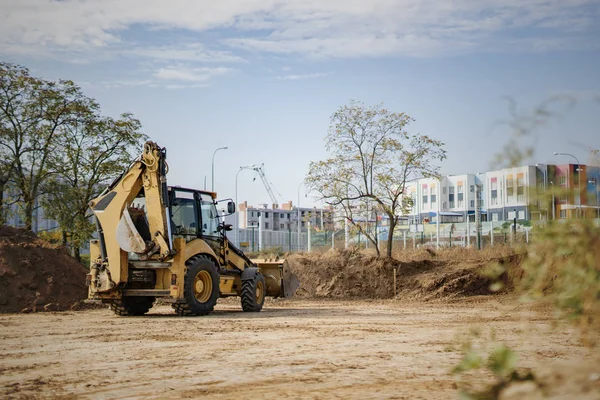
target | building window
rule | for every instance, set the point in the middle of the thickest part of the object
(433, 198)
(511, 215)
(521, 214)
(495, 216)
(303, 223)
(472, 188)
(563, 213)
(424, 199)
(472, 204)
(460, 196)
(510, 187)
(494, 191)
(266, 225)
(520, 189)
(562, 180)
(281, 226)
(266, 215)
(563, 199)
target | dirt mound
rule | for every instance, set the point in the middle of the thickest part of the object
(426, 275)
(340, 274)
(36, 275)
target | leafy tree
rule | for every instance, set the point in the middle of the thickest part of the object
(372, 159)
(32, 111)
(94, 150)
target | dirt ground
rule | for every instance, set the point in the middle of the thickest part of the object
(308, 349)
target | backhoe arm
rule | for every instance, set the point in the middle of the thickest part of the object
(117, 235)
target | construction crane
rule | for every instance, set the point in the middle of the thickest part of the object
(263, 177)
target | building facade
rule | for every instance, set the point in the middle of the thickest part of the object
(285, 217)
(532, 192)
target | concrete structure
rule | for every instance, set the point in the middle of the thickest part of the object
(509, 193)
(276, 218)
(454, 196)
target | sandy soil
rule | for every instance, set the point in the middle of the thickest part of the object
(292, 349)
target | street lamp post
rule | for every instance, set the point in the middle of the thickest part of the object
(553, 202)
(578, 178)
(299, 215)
(213, 167)
(237, 230)
(545, 172)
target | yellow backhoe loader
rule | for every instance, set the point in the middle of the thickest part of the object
(156, 241)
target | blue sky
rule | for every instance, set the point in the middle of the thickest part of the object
(263, 76)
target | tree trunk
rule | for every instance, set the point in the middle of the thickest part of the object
(29, 214)
(76, 253)
(390, 239)
(2, 213)
(64, 237)
(372, 239)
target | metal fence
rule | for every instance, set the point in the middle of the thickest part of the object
(262, 240)
(254, 240)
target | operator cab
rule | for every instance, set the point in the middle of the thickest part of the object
(193, 214)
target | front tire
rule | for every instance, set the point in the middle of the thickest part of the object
(200, 288)
(253, 293)
(132, 306)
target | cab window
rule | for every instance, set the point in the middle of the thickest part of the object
(210, 217)
(184, 219)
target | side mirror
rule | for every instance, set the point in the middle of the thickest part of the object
(231, 207)
(224, 227)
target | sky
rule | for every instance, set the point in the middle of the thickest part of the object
(263, 77)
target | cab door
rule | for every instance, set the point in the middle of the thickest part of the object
(185, 219)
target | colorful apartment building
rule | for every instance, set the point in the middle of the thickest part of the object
(533, 192)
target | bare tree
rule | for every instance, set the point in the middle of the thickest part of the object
(372, 160)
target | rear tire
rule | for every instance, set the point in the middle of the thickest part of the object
(200, 288)
(253, 293)
(132, 306)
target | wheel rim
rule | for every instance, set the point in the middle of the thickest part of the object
(260, 292)
(203, 286)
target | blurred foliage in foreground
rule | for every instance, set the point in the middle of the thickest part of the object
(561, 268)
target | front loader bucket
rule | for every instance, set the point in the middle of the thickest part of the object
(280, 280)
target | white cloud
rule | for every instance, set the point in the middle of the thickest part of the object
(189, 52)
(302, 76)
(318, 28)
(179, 86)
(188, 74)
